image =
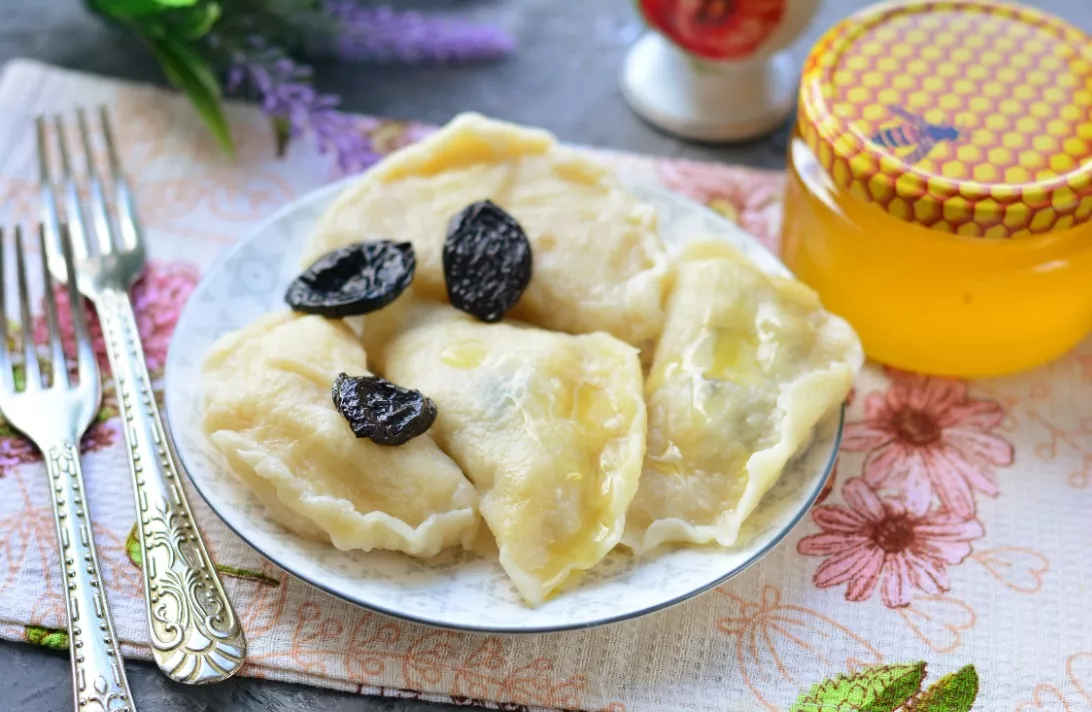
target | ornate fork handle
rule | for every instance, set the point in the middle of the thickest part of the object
(98, 677)
(196, 637)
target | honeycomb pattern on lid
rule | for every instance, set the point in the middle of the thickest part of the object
(967, 117)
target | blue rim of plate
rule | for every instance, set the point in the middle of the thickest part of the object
(776, 539)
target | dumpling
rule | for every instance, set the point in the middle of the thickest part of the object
(599, 263)
(268, 410)
(549, 427)
(747, 365)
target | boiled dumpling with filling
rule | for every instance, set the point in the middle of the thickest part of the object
(550, 427)
(599, 263)
(747, 365)
(268, 410)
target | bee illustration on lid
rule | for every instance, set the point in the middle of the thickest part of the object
(915, 132)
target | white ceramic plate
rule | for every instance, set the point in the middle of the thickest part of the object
(457, 590)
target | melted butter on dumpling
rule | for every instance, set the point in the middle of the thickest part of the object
(747, 365)
(550, 427)
(599, 263)
(268, 410)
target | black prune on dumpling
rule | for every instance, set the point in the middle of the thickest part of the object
(355, 279)
(381, 411)
(487, 261)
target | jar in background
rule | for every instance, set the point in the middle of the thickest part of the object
(940, 184)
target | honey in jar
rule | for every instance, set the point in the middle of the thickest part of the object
(940, 184)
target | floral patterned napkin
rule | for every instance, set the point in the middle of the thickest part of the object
(946, 567)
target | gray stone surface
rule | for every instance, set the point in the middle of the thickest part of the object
(562, 78)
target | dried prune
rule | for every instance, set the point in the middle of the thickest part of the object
(355, 279)
(487, 261)
(385, 413)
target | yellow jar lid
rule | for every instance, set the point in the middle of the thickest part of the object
(967, 117)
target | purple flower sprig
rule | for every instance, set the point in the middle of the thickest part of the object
(296, 108)
(379, 33)
(254, 46)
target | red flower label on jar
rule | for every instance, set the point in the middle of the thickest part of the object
(715, 29)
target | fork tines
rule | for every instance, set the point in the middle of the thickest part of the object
(105, 233)
(57, 371)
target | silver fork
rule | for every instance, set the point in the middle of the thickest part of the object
(55, 415)
(196, 636)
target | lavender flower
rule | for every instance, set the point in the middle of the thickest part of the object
(383, 34)
(287, 97)
(283, 86)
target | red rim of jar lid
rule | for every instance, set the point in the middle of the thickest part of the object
(715, 29)
(963, 116)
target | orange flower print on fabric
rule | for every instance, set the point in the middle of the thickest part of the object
(768, 634)
(1078, 669)
(1019, 568)
(1067, 438)
(149, 117)
(939, 621)
(367, 647)
(228, 196)
(1083, 355)
(926, 436)
(1047, 697)
(879, 542)
(19, 198)
(26, 538)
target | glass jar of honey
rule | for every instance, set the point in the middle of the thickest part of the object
(940, 184)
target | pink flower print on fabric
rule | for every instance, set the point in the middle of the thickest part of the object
(927, 436)
(879, 542)
(158, 298)
(16, 450)
(748, 197)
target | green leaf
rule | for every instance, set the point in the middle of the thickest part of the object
(248, 575)
(186, 66)
(132, 548)
(282, 133)
(882, 688)
(196, 23)
(187, 70)
(52, 638)
(131, 9)
(952, 693)
(105, 413)
(126, 9)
